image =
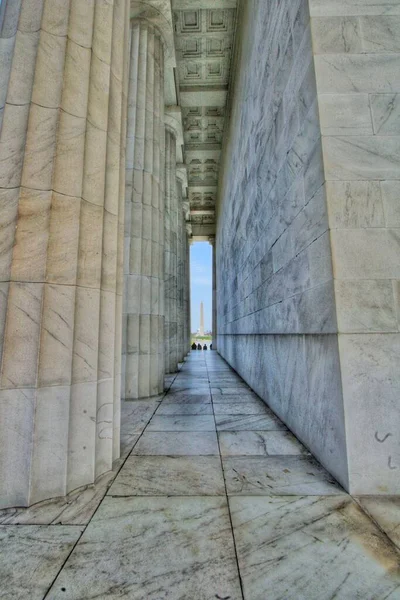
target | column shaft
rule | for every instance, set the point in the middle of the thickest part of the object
(60, 151)
(144, 243)
(171, 255)
(214, 296)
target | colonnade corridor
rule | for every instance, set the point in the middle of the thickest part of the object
(212, 498)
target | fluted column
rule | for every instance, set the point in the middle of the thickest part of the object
(186, 291)
(188, 285)
(180, 274)
(143, 345)
(60, 201)
(214, 293)
(171, 256)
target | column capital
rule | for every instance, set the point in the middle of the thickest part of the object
(173, 123)
(211, 240)
(159, 14)
(181, 174)
(186, 209)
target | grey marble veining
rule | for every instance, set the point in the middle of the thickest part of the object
(136, 414)
(189, 408)
(277, 476)
(312, 548)
(170, 476)
(75, 509)
(240, 408)
(259, 443)
(177, 444)
(153, 548)
(227, 398)
(30, 558)
(265, 422)
(386, 513)
(182, 423)
(183, 397)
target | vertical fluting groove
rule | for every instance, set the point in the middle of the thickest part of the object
(57, 139)
(161, 214)
(167, 252)
(121, 238)
(171, 258)
(142, 302)
(188, 293)
(132, 230)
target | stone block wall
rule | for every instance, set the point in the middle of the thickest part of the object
(307, 246)
(357, 62)
(276, 309)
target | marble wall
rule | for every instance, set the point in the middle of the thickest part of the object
(308, 252)
(62, 73)
(276, 309)
(357, 63)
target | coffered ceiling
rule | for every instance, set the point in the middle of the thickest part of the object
(204, 32)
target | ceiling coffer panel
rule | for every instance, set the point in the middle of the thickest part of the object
(203, 42)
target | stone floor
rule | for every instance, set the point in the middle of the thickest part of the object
(213, 498)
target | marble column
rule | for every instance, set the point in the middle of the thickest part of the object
(171, 243)
(181, 283)
(214, 293)
(143, 319)
(188, 287)
(61, 151)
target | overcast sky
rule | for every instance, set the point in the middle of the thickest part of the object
(201, 283)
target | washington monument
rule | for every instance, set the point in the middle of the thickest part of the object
(201, 330)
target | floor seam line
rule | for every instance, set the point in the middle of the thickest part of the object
(227, 497)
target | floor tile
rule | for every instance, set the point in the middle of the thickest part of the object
(312, 549)
(235, 398)
(240, 408)
(264, 422)
(184, 409)
(230, 390)
(277, 476)
(127, 441)
(136, 414)
(259, 443)
(186, 398)
(31, 556)
(386, 512)
(153, 549)
(177, 444)
(190, 385)
(170, 476)
(75, 509)
(182, 423)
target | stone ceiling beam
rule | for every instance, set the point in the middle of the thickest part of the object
(203, 96)
(190, 4)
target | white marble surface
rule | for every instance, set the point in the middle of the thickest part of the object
(385, 511)
(75, 509)
(311, 548)
(165, 528)
(267, 421)
(177, 444)
(189, 408)
(170, 476)
(259, 443)
(277, 476)
(31, 556)
(151, 547)
(182, 423)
